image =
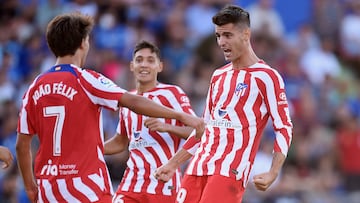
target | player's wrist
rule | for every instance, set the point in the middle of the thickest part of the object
(180, 117)
(173, 163)
(166, 127)
(274, 172)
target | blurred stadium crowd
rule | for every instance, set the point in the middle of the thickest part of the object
(319, 59)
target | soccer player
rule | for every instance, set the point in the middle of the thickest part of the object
(63, 108)
(6, 157)
(151, 141)
(242, 96)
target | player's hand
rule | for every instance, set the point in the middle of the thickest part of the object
(155, 124)
(195, 122)
(6, 157)
(165, 172)
(263, 181)
(32, 193)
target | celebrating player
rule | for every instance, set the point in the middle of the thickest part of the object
(242, 96)
(63, 108)
(151, 141)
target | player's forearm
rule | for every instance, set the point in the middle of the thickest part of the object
(114, 145)
(277, 162)
(111, 148)
(180, 131)
(24, 159)
(142, 105)
(179, 158)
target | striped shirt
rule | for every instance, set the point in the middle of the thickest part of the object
(151, 149)
(238, 106)
(63, 107)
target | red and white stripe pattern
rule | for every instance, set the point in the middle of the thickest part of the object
(239, 103)
(150, 149)
(77, 172)
(100, 89)
(80, 189)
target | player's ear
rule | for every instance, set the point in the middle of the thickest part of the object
(161, 66)
(246, 34)
(131, 66)
(84, 43)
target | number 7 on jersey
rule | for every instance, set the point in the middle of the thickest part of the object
(59, 113)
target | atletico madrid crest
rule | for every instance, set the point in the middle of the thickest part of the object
(240, 89)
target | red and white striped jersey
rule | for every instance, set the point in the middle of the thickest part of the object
(238, 105)
(151, 149)
(63, 107)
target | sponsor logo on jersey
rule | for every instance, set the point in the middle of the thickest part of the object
(106, 81)
(282, 98)
(139, 142)
(240, 89)
(223, 123)
(49, 169)
(222, 112)
(137, 135)
(184, 101)
(62, 169)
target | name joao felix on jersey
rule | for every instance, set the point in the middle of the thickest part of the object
(55, 88)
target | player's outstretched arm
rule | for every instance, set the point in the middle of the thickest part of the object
(24, 159)
(165, 172)
(154, 124)
(142, 105)
(118, 143)
(263, 181)
(6, 157)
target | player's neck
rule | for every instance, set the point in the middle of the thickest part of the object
(245, 60)
(142, 87)
(69, 60)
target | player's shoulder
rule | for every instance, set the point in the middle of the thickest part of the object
(97, 78)
(47, 77)
(166, 85)
(169, 87)
(222, 69)
(261, 69)
(88, 72)
(261, 66)
(132, 91)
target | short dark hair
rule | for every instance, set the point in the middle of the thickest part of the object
(232, 14)
(65, 32)
(147, 45)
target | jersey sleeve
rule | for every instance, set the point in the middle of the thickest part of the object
(184, 102)
(208, 106)
(121, 128)
(174, 97)
(191, 144)
(100, 89)
(25, 124)
(272, 88)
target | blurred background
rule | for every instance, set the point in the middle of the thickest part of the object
(314, 44)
